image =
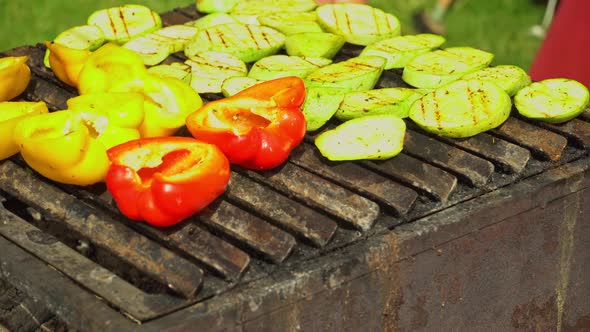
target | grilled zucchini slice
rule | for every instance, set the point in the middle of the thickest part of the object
(247, 42)
(462, 108)
(359, 24)
(123, 23)
(210, 69)
(292, 23)
(314, 44)
(400, 50)
(320, 105)
(233, 85)
(395, 101)
(210, 20)
(176, 35)
(508, 77)
(151, 48)
(369, 137)
(437, 68)
(355, 74)
(215, 6)
(178, 70)
(269, 7)
(555, 100)
(81, 37)
(279, 65)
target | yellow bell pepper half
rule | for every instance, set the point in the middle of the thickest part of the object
(11, 112)
(66, 62)
(69, 146)
(168, 102)
(15, 76)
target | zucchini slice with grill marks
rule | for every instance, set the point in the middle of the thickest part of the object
(270, 7)
(245, 41)
(462, 108)
(369, 137)
(555, 100)
(210, 20)
(122, 23)
(355, 74)
(400, 50)
(215, 6)
(81, 37)
(279, 65)
(320, 105)
(235, 84)
(292, 23)
(508, 77)
(151, 48)
(210, 69)
(314, 44)
(359, 24)
(178, 70)
(437, 68)
(395, 101)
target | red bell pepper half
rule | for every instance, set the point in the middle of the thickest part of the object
(256, 128)
(163, 180)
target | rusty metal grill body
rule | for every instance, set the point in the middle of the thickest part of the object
(491, 230)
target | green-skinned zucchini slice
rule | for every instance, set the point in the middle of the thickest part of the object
(210, 20)
(462, 108)
(81, 37)
(400, 50)
(314, 44)
(359, 24)
(151, 48)
(177, 70)
(553, 100)
(215, 6)
(210, 69)
(270, 7)
(437, 68)
(247, 42)
(355, 74)
(510, 78)
(320, 105)
(279, 65)
(395, 101)
(235, 84)
(369, 137)
(123, 23)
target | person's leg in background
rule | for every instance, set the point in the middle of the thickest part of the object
(432, 20)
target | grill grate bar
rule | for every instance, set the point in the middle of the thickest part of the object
(356, 178)
(173, 18)
(290, 214)
(475, 169)
(541, 141)
(510, 156)
(354, 209)
(418, 174)
(135, 302)
(257, 234)
(577, 130)
(104, 232)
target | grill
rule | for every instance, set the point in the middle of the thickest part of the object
(318, 245)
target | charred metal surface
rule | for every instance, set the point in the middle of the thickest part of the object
(585, 115)
(356, 210)
(259, 235)
(151, 258)
(64, 298)
(475, 169)
(356, 178)
(577, 130)
(541, 141)
(290, 214)
(126, 297)
(417, 174)
(509, 156)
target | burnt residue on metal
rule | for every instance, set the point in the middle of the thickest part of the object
(283, 211)
(420, 175)
(111, 235)
(356, 178)
(318, 192)
(506, 155)
(542, 142)
(472, 168)
(576, 130)
(262, 237)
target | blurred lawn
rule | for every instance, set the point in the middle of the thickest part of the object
(498, 26)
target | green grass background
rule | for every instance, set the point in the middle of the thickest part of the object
(498, 26)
